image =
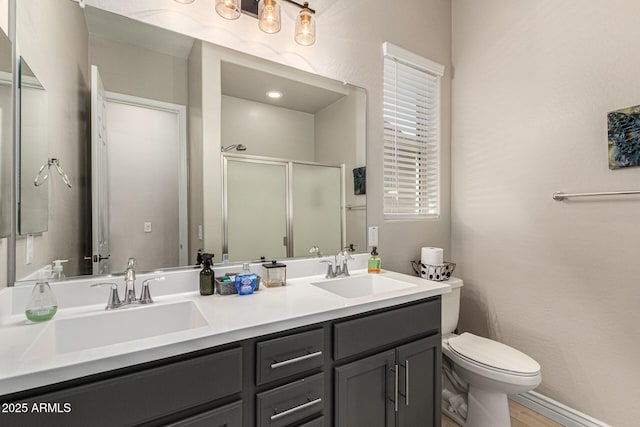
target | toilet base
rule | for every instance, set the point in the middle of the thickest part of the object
(487, 408)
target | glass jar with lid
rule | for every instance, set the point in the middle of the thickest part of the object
(275, 274)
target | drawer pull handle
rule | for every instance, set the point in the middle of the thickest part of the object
(295, 409)
(295, 360)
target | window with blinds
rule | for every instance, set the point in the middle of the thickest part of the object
(411, 154)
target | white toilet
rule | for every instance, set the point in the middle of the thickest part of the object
(492, 370)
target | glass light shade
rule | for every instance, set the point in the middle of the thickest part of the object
(228, 9)
(305, 28)
(185, 1)
(269, 16)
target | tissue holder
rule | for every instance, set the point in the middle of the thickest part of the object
(438, 273)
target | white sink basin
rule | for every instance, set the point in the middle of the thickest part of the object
(362, 286)
(113, 327)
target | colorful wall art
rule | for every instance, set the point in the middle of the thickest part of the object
(624, 137)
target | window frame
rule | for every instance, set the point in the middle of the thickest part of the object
(434, 72)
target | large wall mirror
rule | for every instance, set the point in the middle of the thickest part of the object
(173, 144)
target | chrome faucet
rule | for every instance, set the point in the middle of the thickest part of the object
(129, 289)
(344, 257)
(130, 282)
(338, 267)
(315, 250)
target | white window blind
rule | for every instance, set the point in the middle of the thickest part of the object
(411, 154)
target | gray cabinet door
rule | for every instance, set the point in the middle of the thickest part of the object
(365, 392)
(226, 416)
(419, 383)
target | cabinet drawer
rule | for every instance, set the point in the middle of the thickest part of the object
(316, 422)
(282, 357)
(225, 416)
(382, 329)
(292, 402)
(142, 396)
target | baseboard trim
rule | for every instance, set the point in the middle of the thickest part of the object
(556, 411)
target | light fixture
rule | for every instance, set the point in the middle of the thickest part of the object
(269, 16)
(305, 27)
(274, 94)
(228, 9)
(185, 1)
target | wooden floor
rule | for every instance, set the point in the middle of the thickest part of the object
(521, 416)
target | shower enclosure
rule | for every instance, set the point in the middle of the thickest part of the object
(276, 209)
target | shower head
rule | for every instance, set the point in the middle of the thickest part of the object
(238, 147)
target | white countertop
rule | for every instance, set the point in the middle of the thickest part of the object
(230, 318)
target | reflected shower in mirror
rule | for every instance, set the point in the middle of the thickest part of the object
(148, 72)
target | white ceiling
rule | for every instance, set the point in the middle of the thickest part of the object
(237, 81)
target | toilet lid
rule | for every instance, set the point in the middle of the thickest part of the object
(493, 353)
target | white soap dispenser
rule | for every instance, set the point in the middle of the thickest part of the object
(58, 272)
(42, 304)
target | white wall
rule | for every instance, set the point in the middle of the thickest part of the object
(64, 75)
(144, 172)
(137, 71)
(349, 48)
(559, 280)
(267, 130)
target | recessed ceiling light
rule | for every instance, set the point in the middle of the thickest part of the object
(185, 1)
(274, 94)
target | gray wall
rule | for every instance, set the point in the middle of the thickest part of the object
(267, 130)
(137, 71)
(61, 72)
(5, 150)
(557, 280)
(340, 139)
(196, 161)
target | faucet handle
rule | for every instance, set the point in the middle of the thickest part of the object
(346, 252)
(145, 296)
(330, 273)
(114, 298)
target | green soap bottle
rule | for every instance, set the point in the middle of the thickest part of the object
(207, 275)
(42, 304)
(374, 261)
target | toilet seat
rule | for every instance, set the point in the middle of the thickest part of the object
(492, 355)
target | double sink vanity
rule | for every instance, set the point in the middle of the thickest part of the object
(349, 351)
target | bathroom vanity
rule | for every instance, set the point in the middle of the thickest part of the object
(291, 356)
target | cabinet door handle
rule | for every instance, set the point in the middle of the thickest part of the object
(406, 382)
(295, 409)
(295, 360)
(396, 389)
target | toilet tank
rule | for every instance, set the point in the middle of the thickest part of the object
(451, 307)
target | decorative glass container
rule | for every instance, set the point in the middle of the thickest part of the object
(275, 274)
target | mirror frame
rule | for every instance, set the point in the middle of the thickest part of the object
(11, 239)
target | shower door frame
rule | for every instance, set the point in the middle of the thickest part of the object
(248, 158)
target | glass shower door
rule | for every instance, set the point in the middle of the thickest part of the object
(255, 209)
(317, 212)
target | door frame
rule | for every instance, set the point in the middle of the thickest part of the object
(181, 112)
